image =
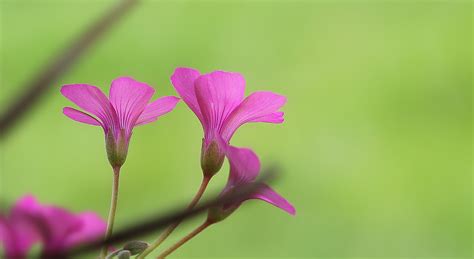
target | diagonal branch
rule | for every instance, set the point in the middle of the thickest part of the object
(160, 222)
(157, 222)
(60, 65)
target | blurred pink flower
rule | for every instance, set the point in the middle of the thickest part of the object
(55, 228)
(126, 107)
(218, 101)
(244, 169)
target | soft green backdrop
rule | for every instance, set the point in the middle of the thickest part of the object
(375, 149)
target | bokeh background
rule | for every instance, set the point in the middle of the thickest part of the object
(375, 152)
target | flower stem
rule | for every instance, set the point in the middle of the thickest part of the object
(113, 208)
(184, 240)
(171, 228)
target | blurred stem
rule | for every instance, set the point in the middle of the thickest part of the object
(171, 228)
(112, 210)
(184, 240)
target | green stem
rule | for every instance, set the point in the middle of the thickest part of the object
(171, 228)
(184, 240)
(113, 208)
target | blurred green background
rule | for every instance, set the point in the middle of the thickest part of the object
(375, 150)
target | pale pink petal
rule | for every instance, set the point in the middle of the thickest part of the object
(183, 81)
(257, 107)
(129, 98)
(244, 166)
(92, 100)
(91, 227)
(218, 94)
(80, 116)
(269, 195)
(157, 108)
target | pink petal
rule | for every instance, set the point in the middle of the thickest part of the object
(129, 98)
(275, 117)
(16, 238)
(244, 166)
(157, 108)
(91, 227)
(17, 232)
(58, 223)
(183, 81)
(269, 195)
(57, 228)
(92, 100)
(26, 205)
(3, 227)
(218, 94)
(9, 239)
(52, 223)
(257, 107)
(80, 116)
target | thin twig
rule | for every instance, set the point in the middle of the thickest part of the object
(159, 222)
(59, 65)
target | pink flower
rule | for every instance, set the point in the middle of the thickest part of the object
(244, 169)
(55, 228)
(218, 101)
(126, 107)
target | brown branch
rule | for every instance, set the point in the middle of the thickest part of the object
(60, 65)
(160, 222)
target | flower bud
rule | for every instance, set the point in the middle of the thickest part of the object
(117, 148)
(135, 247)
(217, 214)
(212, 158)
(124, 254)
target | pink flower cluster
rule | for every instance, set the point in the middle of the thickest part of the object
(217, 99)
(55, 228)
(126, 107)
